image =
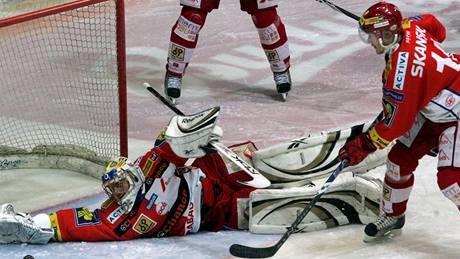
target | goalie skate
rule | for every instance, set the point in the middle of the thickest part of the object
(283, 83)
(172, 87)
(385, 226)
(17, 227)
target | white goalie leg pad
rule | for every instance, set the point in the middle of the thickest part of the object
(17, 227)
(373, 160)
(349, 200)
(312, 157)
(188, 134)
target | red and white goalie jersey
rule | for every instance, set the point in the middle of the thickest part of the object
(169, 205)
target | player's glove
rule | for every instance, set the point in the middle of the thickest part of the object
(189, 136)
(357, 149)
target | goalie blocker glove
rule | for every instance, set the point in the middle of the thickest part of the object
(189, 136)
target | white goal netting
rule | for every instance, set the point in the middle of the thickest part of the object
(62, 87)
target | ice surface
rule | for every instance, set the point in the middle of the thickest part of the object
(336, 81)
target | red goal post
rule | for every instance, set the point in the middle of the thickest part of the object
(62, 84)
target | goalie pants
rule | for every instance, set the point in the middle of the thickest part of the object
(421, 139)
(221, 193)
(185, 32)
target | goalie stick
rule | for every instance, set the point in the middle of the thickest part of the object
(264, 252)
(339, 9)
(258, 181)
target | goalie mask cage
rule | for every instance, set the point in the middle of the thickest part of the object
(62, 84)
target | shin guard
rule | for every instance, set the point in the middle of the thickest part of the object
(184, 38)
(273, 38)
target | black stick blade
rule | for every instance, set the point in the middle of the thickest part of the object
(253, 252)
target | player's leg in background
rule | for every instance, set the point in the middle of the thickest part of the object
(273, 39)
(449, 165)
(449, 183)
(183, 41)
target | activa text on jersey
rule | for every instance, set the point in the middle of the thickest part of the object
(420, 52)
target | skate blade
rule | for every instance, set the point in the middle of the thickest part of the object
(172, 100)
(283, 96)
(388, 235)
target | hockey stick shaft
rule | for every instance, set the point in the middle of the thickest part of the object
(264, 252)
(259, 182)
(339, 9)
(163, 100)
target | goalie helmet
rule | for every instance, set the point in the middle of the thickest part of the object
(384, 21)
(122, 181)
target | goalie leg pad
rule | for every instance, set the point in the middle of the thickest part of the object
(350, 200)
(312, 157)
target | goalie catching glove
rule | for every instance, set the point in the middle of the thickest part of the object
(189, 136)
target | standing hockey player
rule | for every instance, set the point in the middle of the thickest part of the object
(421, 101)
(184, 38)
(181, 186)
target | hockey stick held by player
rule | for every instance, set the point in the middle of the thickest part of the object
(421, 83)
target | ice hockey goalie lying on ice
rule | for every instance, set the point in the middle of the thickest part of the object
(182, 186)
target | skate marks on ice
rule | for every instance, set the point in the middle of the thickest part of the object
(320, 99)
(237, 66)
(430, 232)
(242, 70)
(34, 189)
(239, 80)
(205, 245)
(333, 72)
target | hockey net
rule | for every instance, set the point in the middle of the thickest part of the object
(62, 84)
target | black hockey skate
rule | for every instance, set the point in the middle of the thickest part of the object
(172, 87)
(283, 83)
(384, 226)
